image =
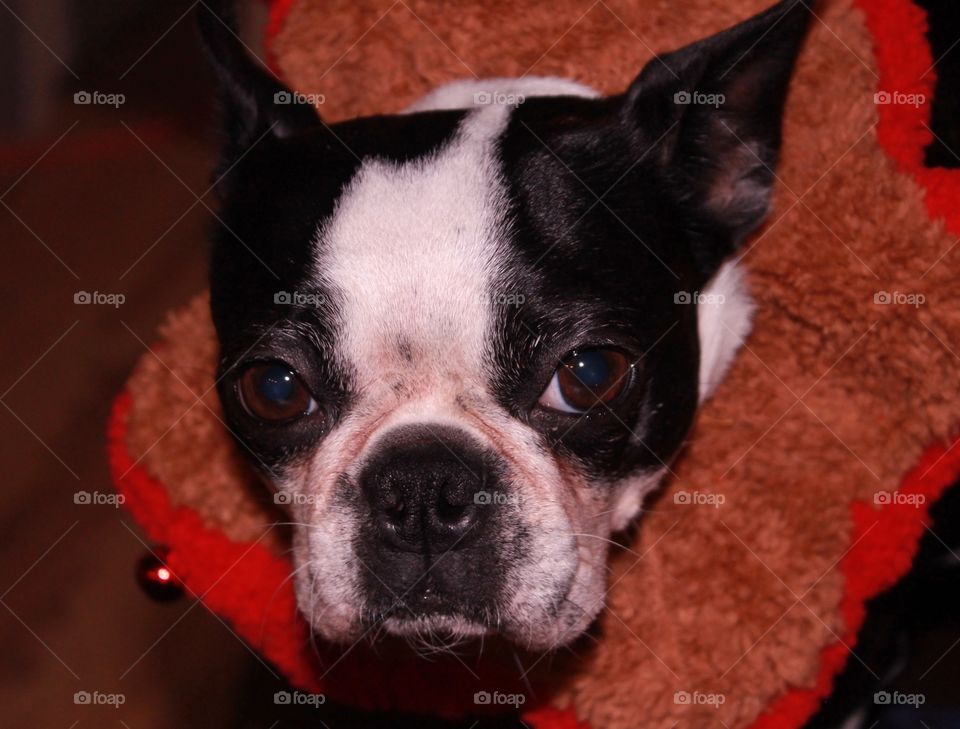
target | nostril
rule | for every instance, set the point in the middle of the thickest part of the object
(390, 502)
(395, 510)
(428, 496)
(455, 504)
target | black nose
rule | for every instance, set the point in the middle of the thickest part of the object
(422, 489)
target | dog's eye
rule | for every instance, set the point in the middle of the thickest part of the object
(273, 392)
(586, 378)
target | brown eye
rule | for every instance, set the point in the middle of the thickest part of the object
(273, 392)
(586, 378)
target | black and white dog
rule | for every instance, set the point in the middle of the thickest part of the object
(464, 342)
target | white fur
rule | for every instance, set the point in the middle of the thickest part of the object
(724, 319)
(411, 255)
(468, 93)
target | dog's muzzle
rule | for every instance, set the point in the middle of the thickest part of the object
(435, 514)
(425, 493)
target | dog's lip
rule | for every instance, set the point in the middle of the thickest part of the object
(453, 626)
(425, 606)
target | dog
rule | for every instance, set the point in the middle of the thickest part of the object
(463, 343)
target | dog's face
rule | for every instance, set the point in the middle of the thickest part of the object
(464, 344)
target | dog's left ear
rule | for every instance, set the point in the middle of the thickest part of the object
(714, 111)
(255, 103)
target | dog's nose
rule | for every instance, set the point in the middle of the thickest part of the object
(423, 490)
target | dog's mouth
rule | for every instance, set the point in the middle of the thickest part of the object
(443, 630)
(430, 613)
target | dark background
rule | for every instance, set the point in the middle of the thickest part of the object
(97, 198)
(91, 199)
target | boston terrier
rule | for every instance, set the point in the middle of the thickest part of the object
(464, 342)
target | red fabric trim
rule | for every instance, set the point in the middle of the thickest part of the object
(278, 11)
(885, 542)
(242, 582)
(890, 537)
(905, 64)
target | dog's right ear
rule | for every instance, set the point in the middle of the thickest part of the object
(255, 103)
(716, 109)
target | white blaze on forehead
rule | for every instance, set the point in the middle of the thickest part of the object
(412, 251)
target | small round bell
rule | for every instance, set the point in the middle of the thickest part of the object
(156, 579)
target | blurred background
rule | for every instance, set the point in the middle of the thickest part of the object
(106, 196)
(108, 136)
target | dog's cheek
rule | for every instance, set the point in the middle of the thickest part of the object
(326, 568)
(558, 591)
(555, 584)
(325, 519)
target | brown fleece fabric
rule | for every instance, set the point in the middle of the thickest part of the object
(833, 397)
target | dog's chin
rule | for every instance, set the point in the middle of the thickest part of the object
(448, 629)
(442, 629)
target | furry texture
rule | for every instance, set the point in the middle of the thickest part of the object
(834, 399)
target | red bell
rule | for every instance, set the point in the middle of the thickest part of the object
(156, 579)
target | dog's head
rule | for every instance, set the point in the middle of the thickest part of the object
(463, 344)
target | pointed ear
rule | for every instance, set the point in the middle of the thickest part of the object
(255, 103)
(716, 108)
